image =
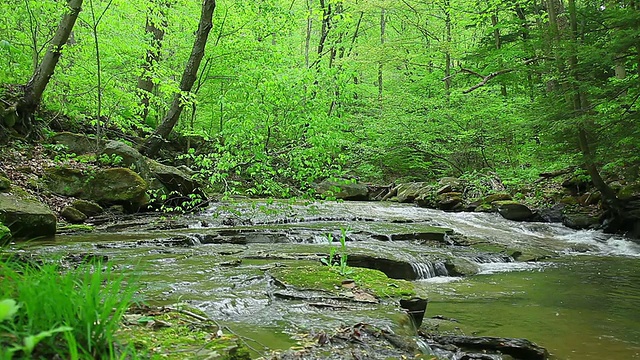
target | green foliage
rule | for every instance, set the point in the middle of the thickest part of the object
(341, 263)
(72, 314)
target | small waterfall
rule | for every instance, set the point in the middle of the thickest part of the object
(194, 239)
(428, 270)
(491, 258)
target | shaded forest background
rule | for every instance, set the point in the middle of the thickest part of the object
(290, 92)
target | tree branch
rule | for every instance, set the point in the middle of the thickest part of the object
(487, 78)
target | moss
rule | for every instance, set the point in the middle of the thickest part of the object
(180, 339)
(76, 228)
(5, 184)
(329, 279)
(5, 233)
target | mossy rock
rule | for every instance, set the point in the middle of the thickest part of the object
(343, 190)
(5, 184)
(73, 215)
(408, 192)
(325, 278)
(25, 216)
(87, 207)
(484, 208)
(461, 267)
(75, 228)
(629, 192)
(449, 201)
(117, 186)
(75, 143)
(65, 181)
(497, 197)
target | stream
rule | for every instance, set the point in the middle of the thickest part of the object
(580, 298)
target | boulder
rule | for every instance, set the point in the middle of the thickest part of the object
(129, 157)
(461, 267)
(25, 216)
(513, 210)
(553, 214)
(174, 179)
(117, 186)
(73, 215)
(580, 221)
(343, 190)
(5, 184)
(65, 181)
(455, 184)
(75, 143)
(408, 192)
(87, 207)
(521, 349)
(450, 201)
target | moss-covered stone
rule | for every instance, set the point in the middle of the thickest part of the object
(327, 278)
(496, 197)
(513, 210)
(65, 181)
(408, 192)
(344, 190)
(73, 228)
(629, 191)
(73, 215)
(87, 207)
(5, 184)
(461, 267)
(75, 143)
(117, 185)
(25, 216)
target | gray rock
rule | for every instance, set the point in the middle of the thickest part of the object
(512, 210)
(580, 221)
(408, 192)
(73, 215)
(450, 201)
(173, 178)
(553, 214)
(76, 143)
(461, 267)
(129, 156)
(65, 181)
(343, 190)
(25, 216)
(117, 186)
(456, 184)
(87, 207)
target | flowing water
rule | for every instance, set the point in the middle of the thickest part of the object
(582, 302)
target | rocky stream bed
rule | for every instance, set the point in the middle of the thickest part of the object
(255, 268)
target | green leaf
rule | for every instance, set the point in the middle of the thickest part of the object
(8, 308)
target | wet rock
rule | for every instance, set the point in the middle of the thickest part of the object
(394, 269)
(450, 201)
(416, 308)
(432, 234)
(73, 215)
(25, 216)
(554, 214)
(87, 207)
(173, 178)
(581, 221)
(343, 190)
(512, 210)
(520, 349)
(75, 143)
(362, 341)
(462, 267)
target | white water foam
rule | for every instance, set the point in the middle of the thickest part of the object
(492, 268)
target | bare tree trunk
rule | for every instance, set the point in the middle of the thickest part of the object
(498, 40)
(447, 55)
(155, 25)
(34, 89)
(152, 144)
(383, 24)
(307, 40)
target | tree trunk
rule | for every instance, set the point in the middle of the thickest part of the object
(383, 24)
(34, 89)
(155, 25)
(152, 144)
(447, 55)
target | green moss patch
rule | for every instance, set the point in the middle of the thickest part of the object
(327, 278)
(171, 335)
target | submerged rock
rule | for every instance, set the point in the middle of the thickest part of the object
(520, 349)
